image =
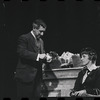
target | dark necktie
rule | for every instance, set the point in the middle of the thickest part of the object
(88, 71)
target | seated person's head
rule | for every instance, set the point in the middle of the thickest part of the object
(88, 55)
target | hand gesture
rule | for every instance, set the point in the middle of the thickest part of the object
(42, 56)
(48, 58)
(80, 93)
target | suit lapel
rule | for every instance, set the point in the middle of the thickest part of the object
(90, 77)
(37, 44)
(33, 43)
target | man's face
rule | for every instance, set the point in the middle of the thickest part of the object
(85, 59)
(39, 32)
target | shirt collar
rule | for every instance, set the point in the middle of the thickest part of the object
(33, 34)
(92, 67)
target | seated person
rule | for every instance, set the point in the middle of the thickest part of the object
(88, 80)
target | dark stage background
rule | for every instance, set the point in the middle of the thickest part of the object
(71, 25)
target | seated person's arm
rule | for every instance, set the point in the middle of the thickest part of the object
(96, 90)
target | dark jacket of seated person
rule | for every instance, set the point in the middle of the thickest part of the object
(88, 80)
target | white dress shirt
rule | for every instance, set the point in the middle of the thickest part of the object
(37, 59)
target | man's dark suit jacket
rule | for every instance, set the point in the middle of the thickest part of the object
(28, 68)
(91, 84)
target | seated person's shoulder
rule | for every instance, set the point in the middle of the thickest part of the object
(98, 70)
(98, 67)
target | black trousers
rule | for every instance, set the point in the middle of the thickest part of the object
(29, 90)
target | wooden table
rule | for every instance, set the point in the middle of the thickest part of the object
(58, 82)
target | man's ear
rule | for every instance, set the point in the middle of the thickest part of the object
(34, 29)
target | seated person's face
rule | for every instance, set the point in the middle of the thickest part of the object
(85, 59)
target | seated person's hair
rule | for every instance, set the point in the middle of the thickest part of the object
(91, 53)
(37, 23)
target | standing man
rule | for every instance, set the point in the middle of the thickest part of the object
(88, 80)
(29, 68)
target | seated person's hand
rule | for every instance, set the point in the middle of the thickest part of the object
(80, 93)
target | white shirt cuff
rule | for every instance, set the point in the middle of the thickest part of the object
(38, 57)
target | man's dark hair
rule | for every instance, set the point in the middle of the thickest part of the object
(37, 23)
(90, 52)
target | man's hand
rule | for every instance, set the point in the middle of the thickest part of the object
(42, 56)
(48, 58)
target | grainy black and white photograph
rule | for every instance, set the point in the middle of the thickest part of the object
(50, 49)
